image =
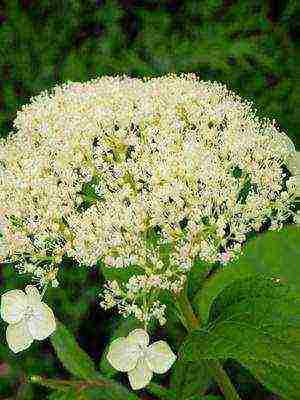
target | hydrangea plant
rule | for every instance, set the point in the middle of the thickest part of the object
(159, 183)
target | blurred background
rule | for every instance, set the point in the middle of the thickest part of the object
(250, 45)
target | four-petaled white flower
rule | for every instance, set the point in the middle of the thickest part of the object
(132, 354)
(28, 318)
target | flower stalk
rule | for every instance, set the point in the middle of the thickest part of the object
(64, 385)
(191, 322)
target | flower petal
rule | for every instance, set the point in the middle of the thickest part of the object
(139, 337)
(13, 306)
(140, 376)
(33, 295)
(123, 355)
(18, 336)
(42, 323)
(294, 163)
(160, 357)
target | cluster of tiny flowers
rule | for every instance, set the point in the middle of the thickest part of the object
(98, 170)
(132, 297)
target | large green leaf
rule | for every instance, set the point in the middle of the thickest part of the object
(259, 287)
(267, 255)
(257, 331)
(277, 378)
(74, 359)
(190, 378)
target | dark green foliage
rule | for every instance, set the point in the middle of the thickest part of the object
(249, 45)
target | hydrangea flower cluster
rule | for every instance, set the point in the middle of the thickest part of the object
(149, 174)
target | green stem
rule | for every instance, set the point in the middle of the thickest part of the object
(186, 312)
(191, 322)
(60, 385)
(223, 380)
(64, 385)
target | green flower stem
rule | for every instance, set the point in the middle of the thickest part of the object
(186, 312)
(191, 322)
(223, 380)
(60, 385)
(64, 385)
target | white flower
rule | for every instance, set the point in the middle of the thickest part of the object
(294, 163)
(28, 318)
(297, 218)
(133, 354)
(293, 185)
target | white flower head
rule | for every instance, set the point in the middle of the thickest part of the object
(294, 163)
(132, 354)
(293, 185)
(28, 317)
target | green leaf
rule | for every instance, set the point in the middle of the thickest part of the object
(208, 397)
(264, 256)
(190, 379)
(261, 330)
(25, 392)
(97, 388)
(160, 392)
(74, 359)
(69, 395)
(114, 392)
(277, 378)
(240, 292)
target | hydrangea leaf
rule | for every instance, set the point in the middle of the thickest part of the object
(264, 256)
(74, 359)
(111, 392)
(190, 379)
(262, 330)
(114, 392)
(70, 395)
(98, 387)
(277, 378)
